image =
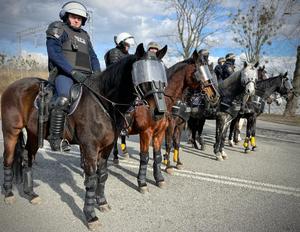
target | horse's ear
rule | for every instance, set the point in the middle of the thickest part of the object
(245, 64)
(263, 67)
(195, 55)
(162, 52)
(140, 51)
(285, 75)
(256, 64)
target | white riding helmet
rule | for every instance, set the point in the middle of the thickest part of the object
(123, 38)
(76, 8)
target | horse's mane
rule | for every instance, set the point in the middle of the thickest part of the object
(111, 76)
(231, 79)
(263, 86)
(173, 69)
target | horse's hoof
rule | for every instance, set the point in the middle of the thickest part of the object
(104, 208)
(179, 166)
(169, 170)
(36, 200)
(10, 200)
(126, 155)
(161, 184)
(247, 150)
(224, 155)
(144, 189)
(202, 148)
(116, 161)
(230, 143)
(219, 158)
(253, 148)
(94, 225)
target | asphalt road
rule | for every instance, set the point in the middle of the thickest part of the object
(258, 191)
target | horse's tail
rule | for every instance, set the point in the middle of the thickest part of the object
(19, 156)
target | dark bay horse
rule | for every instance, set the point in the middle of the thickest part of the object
(94, 126)
(181, 113)
(180, 76)
(232, 91)
(255, 106)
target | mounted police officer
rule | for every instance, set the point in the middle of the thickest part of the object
(218, 68)
(228, 67)
(204, 54)
(123, 42)
(71, 58)
(153, 47)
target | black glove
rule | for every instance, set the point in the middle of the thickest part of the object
(78, 76)
(95, 75)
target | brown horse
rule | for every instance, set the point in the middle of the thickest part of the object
(94, 125)
(180, 76)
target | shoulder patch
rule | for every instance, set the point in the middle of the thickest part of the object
(55, 30)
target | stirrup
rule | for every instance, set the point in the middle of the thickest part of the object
(64, 145)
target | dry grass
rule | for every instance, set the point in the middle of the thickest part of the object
(289, 120)
(9, 76)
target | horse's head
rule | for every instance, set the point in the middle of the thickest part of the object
(286, 86)
(262, 73)
(249, 76)
(208, 80)
(149, 77)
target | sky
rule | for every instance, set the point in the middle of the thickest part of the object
(146, 20)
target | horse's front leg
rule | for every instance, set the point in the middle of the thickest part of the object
(227, 120)
(246, 143)
(200, 137)
(222, 123)
(102, 174)
(157, 158)
(90, 182)
(252, 122)
(145, 138)
(232, 131)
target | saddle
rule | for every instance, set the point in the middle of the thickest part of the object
(45, 102)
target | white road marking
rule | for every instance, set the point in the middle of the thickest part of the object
(261, 186)
(279, 189)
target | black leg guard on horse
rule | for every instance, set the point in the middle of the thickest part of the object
(57, 122)
(7, 185)
(144, 159)
(102, 177)
(90, 183)
(27, 176)
(156, 166)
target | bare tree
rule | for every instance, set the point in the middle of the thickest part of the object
(292, 102)
(258, 25)
(193, 17)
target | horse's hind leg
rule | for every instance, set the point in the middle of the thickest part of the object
(10, 141)
(27, 156)
(123, 145)
(116, 152)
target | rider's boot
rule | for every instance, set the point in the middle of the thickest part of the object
(57, 122)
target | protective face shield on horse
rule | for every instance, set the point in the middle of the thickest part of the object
(209, 82)
(249, 77)
(149, 78)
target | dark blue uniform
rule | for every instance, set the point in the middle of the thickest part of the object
(218, 71)
(227, 69)
(69, 49)
(114, 55)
